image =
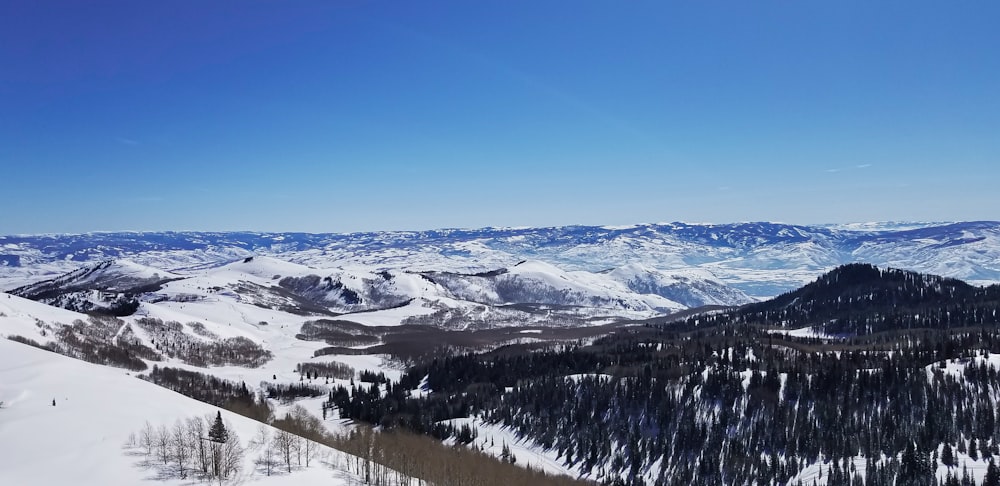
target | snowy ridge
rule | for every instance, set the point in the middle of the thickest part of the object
(108, 275)
(291, 288)
(691, 287)
(536, 282)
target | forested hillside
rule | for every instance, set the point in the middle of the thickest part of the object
(726, 400)
(861, 299)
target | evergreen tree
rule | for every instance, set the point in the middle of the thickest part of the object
(947, 456)
(992, 475)
(218, 432)
(966, 477)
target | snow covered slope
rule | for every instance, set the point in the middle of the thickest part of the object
(536, 282)
(692, 287)
(80, 439)
(22, 317)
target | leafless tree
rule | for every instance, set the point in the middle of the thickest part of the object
(232, 455)
(196, 433)
(162, 444)
(146, 438)
(131, 443)
(181, 448)
(284, 442)
(267, 456)
(310, 430)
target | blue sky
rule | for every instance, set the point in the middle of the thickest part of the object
(349, 116)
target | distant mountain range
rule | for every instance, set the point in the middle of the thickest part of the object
(760, 259)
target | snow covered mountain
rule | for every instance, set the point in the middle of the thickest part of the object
(536, 282)
(109, 286)
(760, 259)
(528, 292)
(692, 287)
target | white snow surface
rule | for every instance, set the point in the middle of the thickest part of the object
(18, 316)
(80, 439)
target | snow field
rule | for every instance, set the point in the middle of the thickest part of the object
(80, 440)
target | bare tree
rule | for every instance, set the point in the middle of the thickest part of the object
(147, 438)
(181, 448)
(232, 455)
(196, 434)
(267, 458)
(186, 447)
(310, 430)
(284, 442)
(259, 439)
(298, 447)
(131, 443)
(162, 444)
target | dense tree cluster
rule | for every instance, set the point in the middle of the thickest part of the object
(738, 422)
(210, 389)
(104, 340)
(170, 339)
(287, 392)
(328, 370)
(335, 333)
(368, 376)
(461, 384)
(718, 408)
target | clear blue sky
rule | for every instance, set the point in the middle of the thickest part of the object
(347, 116)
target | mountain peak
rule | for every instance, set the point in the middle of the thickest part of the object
(859, 299)
(856, 279)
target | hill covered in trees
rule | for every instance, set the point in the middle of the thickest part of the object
(723, 399)
(860, 299)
